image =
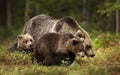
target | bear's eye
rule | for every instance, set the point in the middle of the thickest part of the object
(26, 41)
(81, 36)
(31, 40)
(74, 42)
(88, 47)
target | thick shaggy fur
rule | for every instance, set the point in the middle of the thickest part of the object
(25, 42)
(53, 48)
(42, 24)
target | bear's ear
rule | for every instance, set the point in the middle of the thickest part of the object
(27, 34)
(70, 21)
(75, 41)
(82, 39)
(79, 34)
(19, 37)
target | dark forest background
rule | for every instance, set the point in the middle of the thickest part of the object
(92, 15)
(100, 18)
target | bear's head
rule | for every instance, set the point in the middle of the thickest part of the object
(25, 41)
(71, 43)
(69, 24)
(87, 43)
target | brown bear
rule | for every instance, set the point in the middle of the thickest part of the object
(53, 48)
(42, 24)
(25, 42)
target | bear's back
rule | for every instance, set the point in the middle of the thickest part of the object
(46, 47)
(48, 42)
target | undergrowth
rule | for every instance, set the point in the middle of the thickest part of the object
(105, 62)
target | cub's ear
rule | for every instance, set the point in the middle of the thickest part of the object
(82, 40)
(27, 34)
(75, 41)
(19, 37)
(80, 34)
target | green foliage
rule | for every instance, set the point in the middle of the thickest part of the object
(7, 33)
(105, 62)
(110, 7)
(20, 58)
(17, 10)
(59, 8)
(105, 39)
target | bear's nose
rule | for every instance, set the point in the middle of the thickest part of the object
(30, 46)
(92, 55)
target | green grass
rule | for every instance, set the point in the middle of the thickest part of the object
(106, 61)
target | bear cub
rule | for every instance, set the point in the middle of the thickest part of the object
(53, 48)
(25, 42)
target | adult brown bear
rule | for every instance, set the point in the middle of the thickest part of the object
(42, 24)
(53, 48)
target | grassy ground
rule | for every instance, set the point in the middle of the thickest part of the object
(106, 61)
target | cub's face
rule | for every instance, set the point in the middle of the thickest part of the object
(25, 41)
(87, 44)
(75, 44)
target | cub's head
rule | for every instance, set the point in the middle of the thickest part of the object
(87, 43)
(72, 43)
(25, 41)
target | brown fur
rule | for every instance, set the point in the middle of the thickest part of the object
(52, 48)
(42, 24)
(25, 42)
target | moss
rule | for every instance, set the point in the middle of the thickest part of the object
(106, 61)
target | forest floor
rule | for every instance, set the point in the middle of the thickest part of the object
(106, 61)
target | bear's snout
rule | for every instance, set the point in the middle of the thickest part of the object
(92, 55)
(30, 45)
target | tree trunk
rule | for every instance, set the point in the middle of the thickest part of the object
(37, 7)
(27, 10)
(9, 19)
(85, 12)
(117, 21)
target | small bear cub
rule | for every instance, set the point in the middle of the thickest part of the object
(53, 48)
(25, 42)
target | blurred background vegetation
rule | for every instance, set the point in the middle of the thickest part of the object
(100, 18)
(92, 15)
